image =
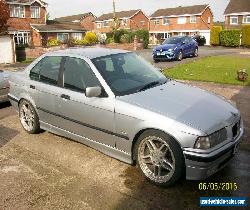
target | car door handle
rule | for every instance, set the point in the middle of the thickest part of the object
(65, 97)
(32, 87)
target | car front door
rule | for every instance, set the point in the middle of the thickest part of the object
(92, 118)
(43, 88)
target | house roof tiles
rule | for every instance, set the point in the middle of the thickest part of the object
(178, 11)
(237, 6)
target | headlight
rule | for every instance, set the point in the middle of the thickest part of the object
(202, 142)
(207, 142)
(170, 50)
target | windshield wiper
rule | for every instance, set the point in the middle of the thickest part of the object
(149, 85)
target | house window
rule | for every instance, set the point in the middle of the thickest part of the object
(193, 19)
(124, 22)
(157, 22)
(77, 36)
(142, 22)
(165, 21)
(35, 12)
(17, 11)
(99, 25)
(234, 20)
(181, 20)
(209, 20)
(22, 38)
(246, 19)
(63, 37)
(106, 23)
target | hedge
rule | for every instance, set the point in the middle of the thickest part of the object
(230, 38)
(246, 35)
(215, 35)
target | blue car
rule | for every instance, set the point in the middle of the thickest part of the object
(176, 48)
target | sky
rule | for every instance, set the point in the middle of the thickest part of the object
(98, 7)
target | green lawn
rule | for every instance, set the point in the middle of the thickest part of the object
(219, 69)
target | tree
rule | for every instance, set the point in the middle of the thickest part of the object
(116, 22)
(5, 14)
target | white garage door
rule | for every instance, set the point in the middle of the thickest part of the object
(206, 34)
(6, 51)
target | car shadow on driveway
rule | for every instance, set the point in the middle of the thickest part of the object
(186, 194)
(6, 134)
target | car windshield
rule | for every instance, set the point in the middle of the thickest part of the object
(128, 73)
(172, 40)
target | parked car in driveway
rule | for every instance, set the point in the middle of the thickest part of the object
(4, 86)
(117, 103)
(175, 48)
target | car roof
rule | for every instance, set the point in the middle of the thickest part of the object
(90, 52)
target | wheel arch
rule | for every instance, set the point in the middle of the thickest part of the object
(139, 133)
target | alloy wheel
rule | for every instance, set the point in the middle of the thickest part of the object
(156, 159)
(27, 116)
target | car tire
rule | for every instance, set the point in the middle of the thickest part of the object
(180, 56)
(196, 54)
(159, 157)
(28, 117)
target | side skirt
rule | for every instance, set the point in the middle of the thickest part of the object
(106, 149)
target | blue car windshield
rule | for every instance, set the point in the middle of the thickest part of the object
(173, 40)
(128, 73)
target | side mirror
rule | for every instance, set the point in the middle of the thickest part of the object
(93, 91)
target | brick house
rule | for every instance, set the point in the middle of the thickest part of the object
(42, 33)
(85, 20)
(63, 28)
(23, 13)
(190, 20)
(130, 20)
(237, 14)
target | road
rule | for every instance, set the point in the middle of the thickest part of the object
(46, 171)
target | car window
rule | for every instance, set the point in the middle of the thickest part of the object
(47, 70)
(131, 73)
(78, 75)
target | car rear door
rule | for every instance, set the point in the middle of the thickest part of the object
(92, 118)
(44, 89)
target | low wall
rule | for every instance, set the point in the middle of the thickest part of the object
(38, 51)
(127, 46)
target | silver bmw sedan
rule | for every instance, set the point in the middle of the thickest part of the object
(117, 103)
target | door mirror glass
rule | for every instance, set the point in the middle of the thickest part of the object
(93, 91)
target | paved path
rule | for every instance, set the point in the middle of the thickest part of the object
(46, 171)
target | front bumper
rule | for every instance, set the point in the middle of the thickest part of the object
(201, 166)
(165, 56)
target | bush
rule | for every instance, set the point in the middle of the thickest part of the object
(215, 35)
(201, 40)
(230, 38)
(110, 40)
(118, 34)
(125, 38)
(80, 42)
(110, 35)
(53, 42)
(90, 38)
(143, 36)
(101, 38)
(246, 35)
